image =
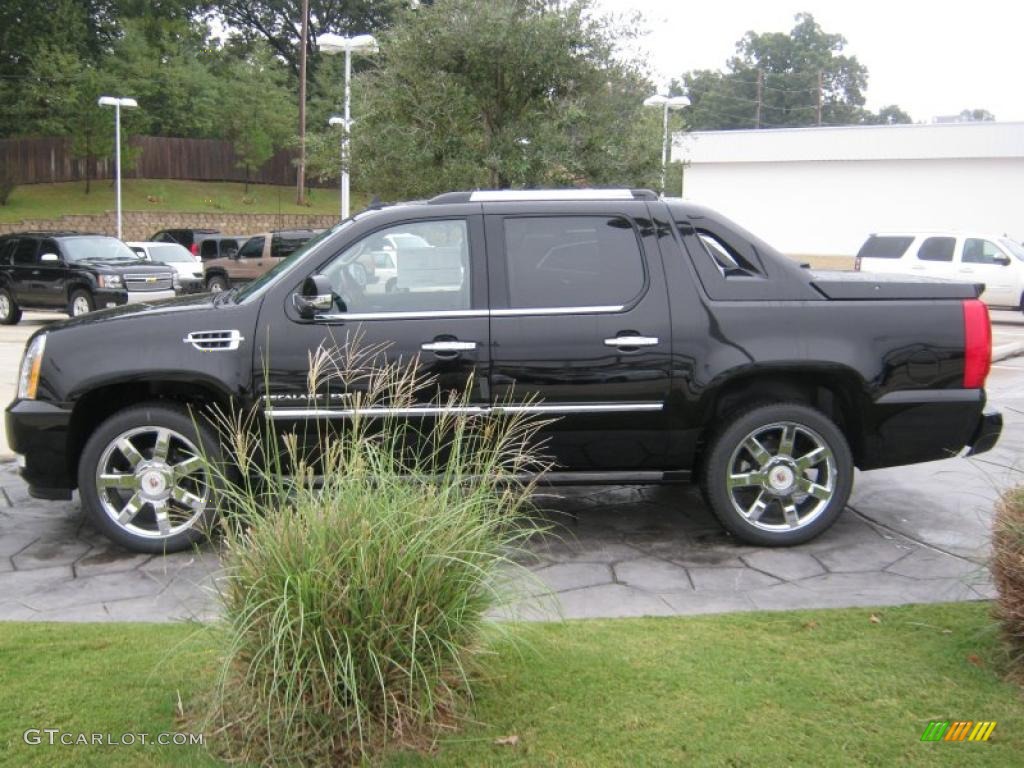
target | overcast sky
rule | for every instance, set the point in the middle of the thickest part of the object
(924, 56)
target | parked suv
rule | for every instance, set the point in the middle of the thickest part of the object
(259, 254)
(663, 342)
(75, 273)
(995, 261)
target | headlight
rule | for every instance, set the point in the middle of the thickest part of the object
(175, 282)
(110, 281)
(28, 381)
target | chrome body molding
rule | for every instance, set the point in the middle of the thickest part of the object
(554, 409)
(455, 313)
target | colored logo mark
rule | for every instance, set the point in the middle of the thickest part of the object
(958, 730)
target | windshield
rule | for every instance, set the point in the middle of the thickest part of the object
(169, 254)
(285, 265)
(108, 249)
(1013, 247)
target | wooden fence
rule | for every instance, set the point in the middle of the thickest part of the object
(49, 159)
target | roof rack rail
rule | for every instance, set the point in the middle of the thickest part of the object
(514, 195)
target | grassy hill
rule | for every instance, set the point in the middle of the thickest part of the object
(43, 201)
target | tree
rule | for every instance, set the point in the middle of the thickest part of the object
(976, 115)
(889, 115)
(511, 93)
(778, 80)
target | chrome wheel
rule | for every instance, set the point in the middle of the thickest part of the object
(80, 306)
(5, 306)
(151, 482)
(216, 286)
(782, 477)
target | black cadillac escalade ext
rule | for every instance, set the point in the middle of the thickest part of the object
(670, 344)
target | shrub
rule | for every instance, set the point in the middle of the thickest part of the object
(360, 573)
(1008, 574)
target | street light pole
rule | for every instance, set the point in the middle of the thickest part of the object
(343, 176)
(117, 103)
(667, 103)
(332, 44)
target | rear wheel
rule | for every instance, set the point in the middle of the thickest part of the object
(217, 283)
(80, 303)
(778, 474)
(143, 482)
(10, 312)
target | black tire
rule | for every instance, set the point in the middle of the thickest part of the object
(86, 303)
(218, 283)
(10, 312)
(780, 475)
(187, 525)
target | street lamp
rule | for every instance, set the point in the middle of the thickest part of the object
(117, 103)
(332, 44)
(667, 103)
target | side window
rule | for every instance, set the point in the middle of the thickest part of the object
(162, 237)
(49, 246)
(937, 249)
(283, 245)
(208, 249)
(430, 272)
(25, 252)
(6, 247)
(571, 261)
(884, 247)
(977, 251)
(253, 249)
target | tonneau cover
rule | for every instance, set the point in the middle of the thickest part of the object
(868, 286)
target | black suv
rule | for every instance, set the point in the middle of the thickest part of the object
(75, 273)
(664, 342)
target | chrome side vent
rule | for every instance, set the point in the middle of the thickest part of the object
(214, 341)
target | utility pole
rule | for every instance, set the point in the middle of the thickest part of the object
(760, 97)
(820, 87)
(300, 197)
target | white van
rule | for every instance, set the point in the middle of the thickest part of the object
(995, 260)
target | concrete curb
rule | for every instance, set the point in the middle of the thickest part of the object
(1008, 350)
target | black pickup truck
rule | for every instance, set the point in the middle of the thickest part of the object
(75, 273)
(670, 344)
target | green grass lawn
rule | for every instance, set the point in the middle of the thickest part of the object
(43, 201)
(809, 688)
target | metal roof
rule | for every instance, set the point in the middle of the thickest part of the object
(857, 142)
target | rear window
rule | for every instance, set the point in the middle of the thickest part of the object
(884, 247)
(937, 249)
(283, 245)
(572, 261)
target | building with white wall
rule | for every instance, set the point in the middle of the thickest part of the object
(822, 191)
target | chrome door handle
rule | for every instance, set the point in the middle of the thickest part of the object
(631, 341)
(448, 346)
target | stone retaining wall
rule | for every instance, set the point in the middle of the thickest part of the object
(139, 225)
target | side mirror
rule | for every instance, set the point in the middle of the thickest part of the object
(317, 296)
(49, 258)
(1003, 261)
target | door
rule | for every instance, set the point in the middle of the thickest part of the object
(25, 272)
(52, 277)
(580, 330)
(444, 328)
(983, 261)
(250, 262)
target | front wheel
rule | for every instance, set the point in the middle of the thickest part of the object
(143, 480)
(217, 283)
(778, 475)
(81, 303)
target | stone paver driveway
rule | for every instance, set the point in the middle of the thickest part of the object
(621, 551)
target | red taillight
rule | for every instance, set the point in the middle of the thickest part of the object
(977, 344)
(195, 249)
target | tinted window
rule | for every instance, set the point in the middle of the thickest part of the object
(25, 251)
(252, 249)
(282, 245)
(571, 261)
(729, 262)
(431, 272)
(884, 247)
(49, 246)
(937, 249)
(6, 247)
(977, 251)
(208, 250)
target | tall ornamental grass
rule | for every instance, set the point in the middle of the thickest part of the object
(1008, 575)
(361, 565)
